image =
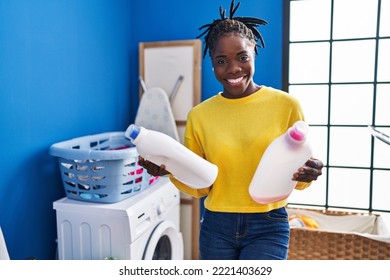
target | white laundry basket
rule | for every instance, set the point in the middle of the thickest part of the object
(100, 168)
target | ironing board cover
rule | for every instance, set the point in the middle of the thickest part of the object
(3, 248)
(155, 112)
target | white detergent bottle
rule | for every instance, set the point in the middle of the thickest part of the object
(182, 163)
(272, 180)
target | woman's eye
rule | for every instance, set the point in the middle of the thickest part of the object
(244, 58)
(221, 61)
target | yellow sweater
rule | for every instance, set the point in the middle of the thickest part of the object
(233, 134)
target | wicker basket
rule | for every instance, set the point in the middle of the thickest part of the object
(315, 244)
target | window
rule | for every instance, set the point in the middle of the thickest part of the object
(337, 63)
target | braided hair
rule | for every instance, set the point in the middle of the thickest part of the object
(244, 26)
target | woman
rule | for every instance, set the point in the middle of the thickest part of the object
(232, 130)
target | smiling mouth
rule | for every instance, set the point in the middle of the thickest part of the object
(235, 81)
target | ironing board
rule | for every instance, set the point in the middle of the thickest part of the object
(3, 248)
(155, 112)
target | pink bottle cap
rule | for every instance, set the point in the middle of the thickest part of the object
(298, 131)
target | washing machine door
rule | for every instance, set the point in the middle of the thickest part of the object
(165, 243)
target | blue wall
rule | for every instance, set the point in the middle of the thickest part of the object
(69, 68)
(181, 20)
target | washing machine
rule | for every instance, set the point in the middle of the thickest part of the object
(143, 227)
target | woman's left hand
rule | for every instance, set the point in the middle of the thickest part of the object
(309, 171)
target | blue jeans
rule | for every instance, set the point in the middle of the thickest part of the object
(244, 236)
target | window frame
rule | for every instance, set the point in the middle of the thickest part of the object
(328, 126)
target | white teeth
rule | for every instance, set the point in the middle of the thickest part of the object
(235, 81)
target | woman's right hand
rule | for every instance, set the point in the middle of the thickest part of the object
(151, 168)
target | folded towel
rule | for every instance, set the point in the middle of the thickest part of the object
(302, 221)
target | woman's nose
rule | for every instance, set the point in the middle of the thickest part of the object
(234, 67)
